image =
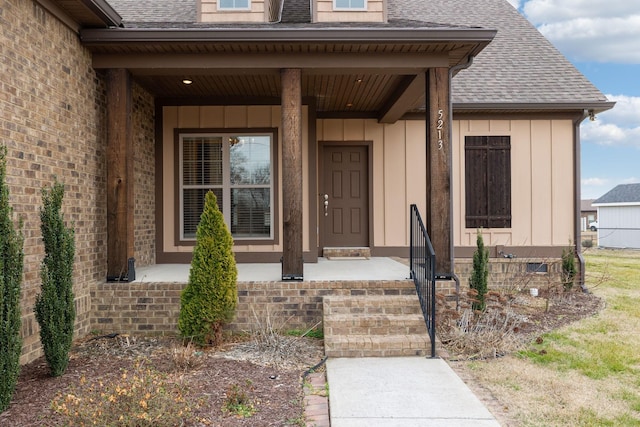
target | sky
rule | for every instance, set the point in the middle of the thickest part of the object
(602, 39)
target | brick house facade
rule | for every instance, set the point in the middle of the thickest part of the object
(57, 56)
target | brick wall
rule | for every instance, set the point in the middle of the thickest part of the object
(153, 308)
(52, 122)
(144, 178)
(510, 274)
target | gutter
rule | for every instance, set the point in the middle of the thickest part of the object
(593, 107)
(97, 36)
(577, 231)
(104, 11)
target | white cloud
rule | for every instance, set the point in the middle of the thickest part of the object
(618, 126)
(550, 11)
(515, 3)
(626, 112)
(631, 180)
(597, 182)
(590, 30)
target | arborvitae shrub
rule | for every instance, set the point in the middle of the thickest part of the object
(11, 263)
(569, 270)
(55, 308)
(210, 299)
(480, 274)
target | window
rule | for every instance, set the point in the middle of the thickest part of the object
(350, 4)
(233, 4)
(238, 168)
(488, 181)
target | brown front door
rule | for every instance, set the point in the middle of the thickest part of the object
(344, 202)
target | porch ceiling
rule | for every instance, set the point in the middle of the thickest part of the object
(353, 72)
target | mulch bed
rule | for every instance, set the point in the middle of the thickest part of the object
(273, 385)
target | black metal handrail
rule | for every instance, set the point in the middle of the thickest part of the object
(422, 264)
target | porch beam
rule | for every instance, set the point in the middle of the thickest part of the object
(439, 203)
(119, 174)
(292, 261)
(272, 60)
(407, 96)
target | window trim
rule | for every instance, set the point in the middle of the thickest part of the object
(234, 9)
(349, 9)
(489, 217)
(275, 207)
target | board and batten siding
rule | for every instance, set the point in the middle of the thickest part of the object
(542, 207)
(208, 12)
(324, 11)
(221, 117)
(399, 155)
(619, 226)
(541, 164)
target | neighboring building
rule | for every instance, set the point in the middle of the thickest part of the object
(588, 213)
(619, 217)
(459, 106)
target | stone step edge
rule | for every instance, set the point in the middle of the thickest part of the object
(351, 346)
(346, 252)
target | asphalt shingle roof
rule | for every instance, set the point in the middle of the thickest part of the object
(520, 66)
(623, 193)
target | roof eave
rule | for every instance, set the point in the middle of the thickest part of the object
(616, 204)
(97, 36)
(595, 107)
(104, 11)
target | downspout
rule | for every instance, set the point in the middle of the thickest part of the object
(281, 7)
(577, 231)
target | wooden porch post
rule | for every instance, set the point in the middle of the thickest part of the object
(292, 262)
(439, 202)
(119, 176)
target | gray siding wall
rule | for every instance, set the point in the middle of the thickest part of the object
(619, 226)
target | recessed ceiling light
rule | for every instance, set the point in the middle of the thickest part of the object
(187, 81)
(350, 104)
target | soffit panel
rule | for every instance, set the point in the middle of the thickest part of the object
(340, 93)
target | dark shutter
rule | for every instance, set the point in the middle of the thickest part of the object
(488, 181)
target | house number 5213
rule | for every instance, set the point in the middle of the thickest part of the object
(439, 126)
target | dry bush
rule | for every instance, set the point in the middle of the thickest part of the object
(270, 342)
(185, 357)
(143, 397)
(472, 334)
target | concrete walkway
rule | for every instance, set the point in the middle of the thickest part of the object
(401, 392)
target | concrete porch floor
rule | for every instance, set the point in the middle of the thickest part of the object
(375, 268)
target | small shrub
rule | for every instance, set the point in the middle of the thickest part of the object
(477, 334)
(238, 402)
(569, 270)
(209, 301)
(587, 243)
(11, 264)
(55, 308)
(144, 397)
(185, 357)
(480, 274)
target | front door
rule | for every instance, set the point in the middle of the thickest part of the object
(344, 201)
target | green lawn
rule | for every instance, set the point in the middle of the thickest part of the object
(585, 374)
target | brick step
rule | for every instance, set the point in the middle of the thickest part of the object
(359, 252)
(372, 304)
(376, 324)
(377, 346)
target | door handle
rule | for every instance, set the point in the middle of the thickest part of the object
(326, 205)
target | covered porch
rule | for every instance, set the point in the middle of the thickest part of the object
(344, 269)
(151, 303)
(318, 95)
